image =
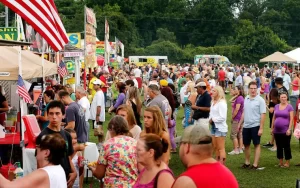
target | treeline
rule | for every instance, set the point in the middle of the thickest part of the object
(242, 30)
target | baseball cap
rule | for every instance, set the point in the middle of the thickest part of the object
(196, 134)
(163, 83)
(98, 82)
(200, 84)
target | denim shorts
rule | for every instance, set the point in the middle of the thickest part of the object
(215, 132)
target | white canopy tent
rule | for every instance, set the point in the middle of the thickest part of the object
(31, 64)
(294, 54)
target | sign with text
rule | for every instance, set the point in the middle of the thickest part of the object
(8, 33)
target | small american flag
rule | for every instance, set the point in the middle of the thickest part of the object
(39, 101)
(62, 69)
(22, 91)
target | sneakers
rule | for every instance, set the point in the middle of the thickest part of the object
(245, 166)
(241, 151)
(233, 152)
(273, 149)
(268, 145)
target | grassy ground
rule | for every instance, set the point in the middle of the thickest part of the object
(271, 176)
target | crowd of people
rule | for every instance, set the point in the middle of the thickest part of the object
(140, 141)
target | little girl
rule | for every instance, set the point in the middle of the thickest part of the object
(266, 89)
(76, 157)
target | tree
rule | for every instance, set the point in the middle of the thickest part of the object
(209, 21)
(258, 41)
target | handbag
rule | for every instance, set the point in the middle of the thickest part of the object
(98, 130)
(297, 131)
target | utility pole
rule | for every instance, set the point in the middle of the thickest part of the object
(6, 16)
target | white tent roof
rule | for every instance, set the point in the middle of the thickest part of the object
(294, 54)
(31, 64)
(278, 57)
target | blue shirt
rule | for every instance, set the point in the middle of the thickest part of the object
(253, 108)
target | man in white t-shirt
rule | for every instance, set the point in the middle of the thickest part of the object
(84, 102)
(98, 108)
(132, 77)
(137, 72)
(286, 79)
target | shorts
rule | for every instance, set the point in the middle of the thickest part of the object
(251, 134)
(97, 123)
(235, 132)
(222, 83)
(230, 82)
(215, 132)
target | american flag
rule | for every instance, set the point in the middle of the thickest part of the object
(43, 17)
(39, 101)
(22, 91)
(62, 69)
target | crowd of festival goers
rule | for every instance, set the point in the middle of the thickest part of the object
(141, 136)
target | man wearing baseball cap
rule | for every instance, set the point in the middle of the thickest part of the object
(196, 150)
(98, 110)
(202, 107)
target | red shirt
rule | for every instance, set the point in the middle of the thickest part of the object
(103, 79)
(139, 81)
(213, 175)
(221, 75)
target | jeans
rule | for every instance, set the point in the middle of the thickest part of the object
(283, 143)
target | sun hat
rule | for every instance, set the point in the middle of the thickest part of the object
(196, 134)
(200, 84)
(98, 82)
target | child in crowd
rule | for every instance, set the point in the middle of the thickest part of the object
(266, 89)
(77, 158)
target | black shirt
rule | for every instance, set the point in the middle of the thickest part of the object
(2, 99)
(204, 100)
(65, 163)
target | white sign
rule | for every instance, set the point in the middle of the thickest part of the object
(4, 74)
(73, 54)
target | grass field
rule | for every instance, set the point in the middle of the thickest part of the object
(270, 177)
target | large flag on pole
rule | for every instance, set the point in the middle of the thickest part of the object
(43, 17)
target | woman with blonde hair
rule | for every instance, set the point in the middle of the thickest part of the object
(217, 119)
(135, 102)
(155, 123)
(188, 112)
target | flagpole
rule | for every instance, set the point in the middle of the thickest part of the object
(84, 52)
(43, 64)
(105, 43)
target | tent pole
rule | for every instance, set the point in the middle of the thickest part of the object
(43, 64)
(22, 144)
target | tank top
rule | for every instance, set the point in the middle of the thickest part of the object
(75, 163)
(295, 88)
(151, 184)
(57, 177)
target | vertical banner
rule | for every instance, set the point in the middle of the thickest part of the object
(90, 38)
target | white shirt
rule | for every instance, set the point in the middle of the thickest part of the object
(57, 176)
(218, 114)
(136, 84)
(98, 100)
(230, 76)
(239, 81)
(137, 72)
(286, 80)
(278, 72)
(85, 104)
(136, 131)
(212, 83)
